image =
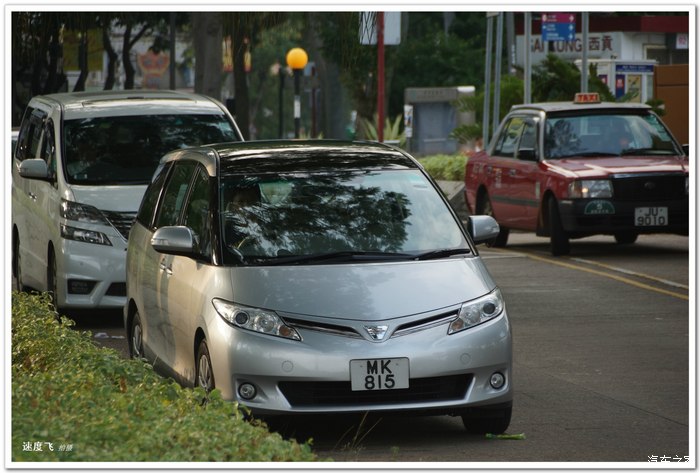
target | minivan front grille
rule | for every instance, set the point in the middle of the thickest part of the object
(339, 393)
(122, 221)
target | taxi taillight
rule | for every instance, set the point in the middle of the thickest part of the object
(589, 97)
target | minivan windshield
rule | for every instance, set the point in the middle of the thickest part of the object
(335, 216)
(127, 149)
(606, 134)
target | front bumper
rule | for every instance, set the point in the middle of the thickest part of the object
(582, 217)
(447, 374)
(91, 276)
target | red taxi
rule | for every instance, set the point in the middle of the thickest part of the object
(573, 169)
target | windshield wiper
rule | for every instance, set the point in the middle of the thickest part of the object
(340, 256)
(444, 253)
(646, 152)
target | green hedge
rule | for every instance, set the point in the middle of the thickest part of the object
(75, 401)
(445, 167)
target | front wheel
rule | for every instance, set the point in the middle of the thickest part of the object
(487, 421)
(136, 338)
(204, 371)
(558, 237)
(16, 267)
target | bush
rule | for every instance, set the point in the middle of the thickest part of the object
(74, 401)
(443, 167)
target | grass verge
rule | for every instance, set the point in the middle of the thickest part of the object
(74, 401)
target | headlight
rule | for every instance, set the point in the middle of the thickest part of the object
(81, 213)
(256, 320)
(87, 236)
(591, 189)
(478, 311)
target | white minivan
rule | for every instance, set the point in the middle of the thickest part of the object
(80, 168)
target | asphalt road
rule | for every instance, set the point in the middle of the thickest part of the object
(601, 365)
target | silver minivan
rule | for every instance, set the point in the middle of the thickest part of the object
(80, 168)
(317, 277)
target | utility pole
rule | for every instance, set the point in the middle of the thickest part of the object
(380, 76)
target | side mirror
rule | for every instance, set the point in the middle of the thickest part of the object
(34, 169)
(173, 241)
(527, 154)
(686, 149)
(483, 228)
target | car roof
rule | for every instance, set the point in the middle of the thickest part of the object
(548, 107)
(275, 156)
(131, 102)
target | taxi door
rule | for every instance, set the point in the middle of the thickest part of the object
(523, 175)
(511, 173)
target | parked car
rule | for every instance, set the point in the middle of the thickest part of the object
(317, 277)
(574, 169)
(80, 168)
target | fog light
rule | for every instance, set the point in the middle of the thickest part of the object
(247, 391)
(497, 380)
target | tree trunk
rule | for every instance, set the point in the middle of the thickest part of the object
(208, 50)
(83, 63)
(240, 82)
(129, 71)
(112, 58)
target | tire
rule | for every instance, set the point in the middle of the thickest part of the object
(559, 239)
(204, 374)
(16, 267)
(487, 421)
(485, 208)
(625, 238)
(136, 338)
(52, 279)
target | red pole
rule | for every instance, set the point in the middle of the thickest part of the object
(380, 76)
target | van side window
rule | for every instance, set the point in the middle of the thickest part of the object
(197, 214)
(30, 134)
(175, 193)
(150, 198)
(48, 149)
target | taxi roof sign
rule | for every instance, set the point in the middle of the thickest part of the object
(589, 97)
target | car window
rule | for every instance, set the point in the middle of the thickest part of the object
(197, 213)
(269, 216)
(174, 195)
(150, 198)
(30, 133)
(510, 135)
(127, 149)
(528, 138)
(48, 149)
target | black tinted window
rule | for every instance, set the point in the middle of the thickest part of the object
(126, 150)
(150, 199)
(197, 214)
(175, 193)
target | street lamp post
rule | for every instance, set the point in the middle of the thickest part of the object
(297, 59)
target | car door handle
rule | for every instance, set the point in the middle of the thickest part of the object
(488, 169)
(512, 172)
(32, 195)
